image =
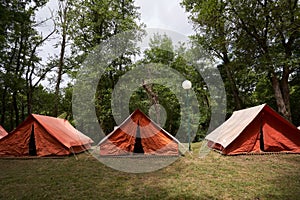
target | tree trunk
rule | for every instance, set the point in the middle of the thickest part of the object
(63, 18)
(3, 110)
(279, 96)
(16, 109)
(234, 89)
(286, 92)
(23, 111)
(29, 101)
(236, 96)
(154, 99)
(59, 75)
(11, 117)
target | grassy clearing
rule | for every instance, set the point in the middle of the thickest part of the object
(213, 177)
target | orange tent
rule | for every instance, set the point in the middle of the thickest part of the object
(2, 132)
(255, 130)
(139, 135)
(44, 136)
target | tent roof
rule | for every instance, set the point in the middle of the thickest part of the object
(2, 132)
(62, 130)
(129, 118)
(236, 124)
(257, 129)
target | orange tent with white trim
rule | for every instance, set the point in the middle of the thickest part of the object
(255, 130)
(41, 135)
(2, 132)
(139, 135)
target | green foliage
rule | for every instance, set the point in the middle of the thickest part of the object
(85, 23)
(295, 96)
(93, 22)
(20, 64)
(254, 42)
(257, 43)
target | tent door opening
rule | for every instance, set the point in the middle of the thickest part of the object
(138, 147)
(261, 141)
(32, 147)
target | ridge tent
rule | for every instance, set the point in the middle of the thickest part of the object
(41, 135)
(2, 132)
(255, 130)
(138, 134)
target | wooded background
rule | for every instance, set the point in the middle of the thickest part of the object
(255, 42)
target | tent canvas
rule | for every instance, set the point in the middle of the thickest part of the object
(2, 132)
(139, 135)
(255, 130)
(41, 135)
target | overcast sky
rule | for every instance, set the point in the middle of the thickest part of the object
(165, 14)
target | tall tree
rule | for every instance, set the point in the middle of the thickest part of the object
(95, 21)
(214, 34)
(20, 64)
(262, 32)
(63, 24)
(161, 51)
(92, 23)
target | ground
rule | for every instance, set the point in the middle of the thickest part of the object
(275, 176)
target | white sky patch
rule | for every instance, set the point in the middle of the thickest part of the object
(165, 14)
(162, 14)
(46, 28)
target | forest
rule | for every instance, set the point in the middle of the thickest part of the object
(255, 45)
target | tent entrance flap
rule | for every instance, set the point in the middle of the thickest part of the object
(32, 147)
(261, 139)
(138, 148)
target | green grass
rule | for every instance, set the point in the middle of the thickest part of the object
(212, 177)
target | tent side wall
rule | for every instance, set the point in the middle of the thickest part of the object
(167, 149)
(119, 143)
(280, 136)
(108, 148)
(160, 144)
(155, 140)
(16, 143)
(46, 144)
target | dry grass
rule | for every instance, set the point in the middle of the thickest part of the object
(213, 177)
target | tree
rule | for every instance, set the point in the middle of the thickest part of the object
(163, 54)
(161, 51)
(214, 34)
(262, 32)
(63, 22)
(95, 21)
(20, 63)
(92, 24)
